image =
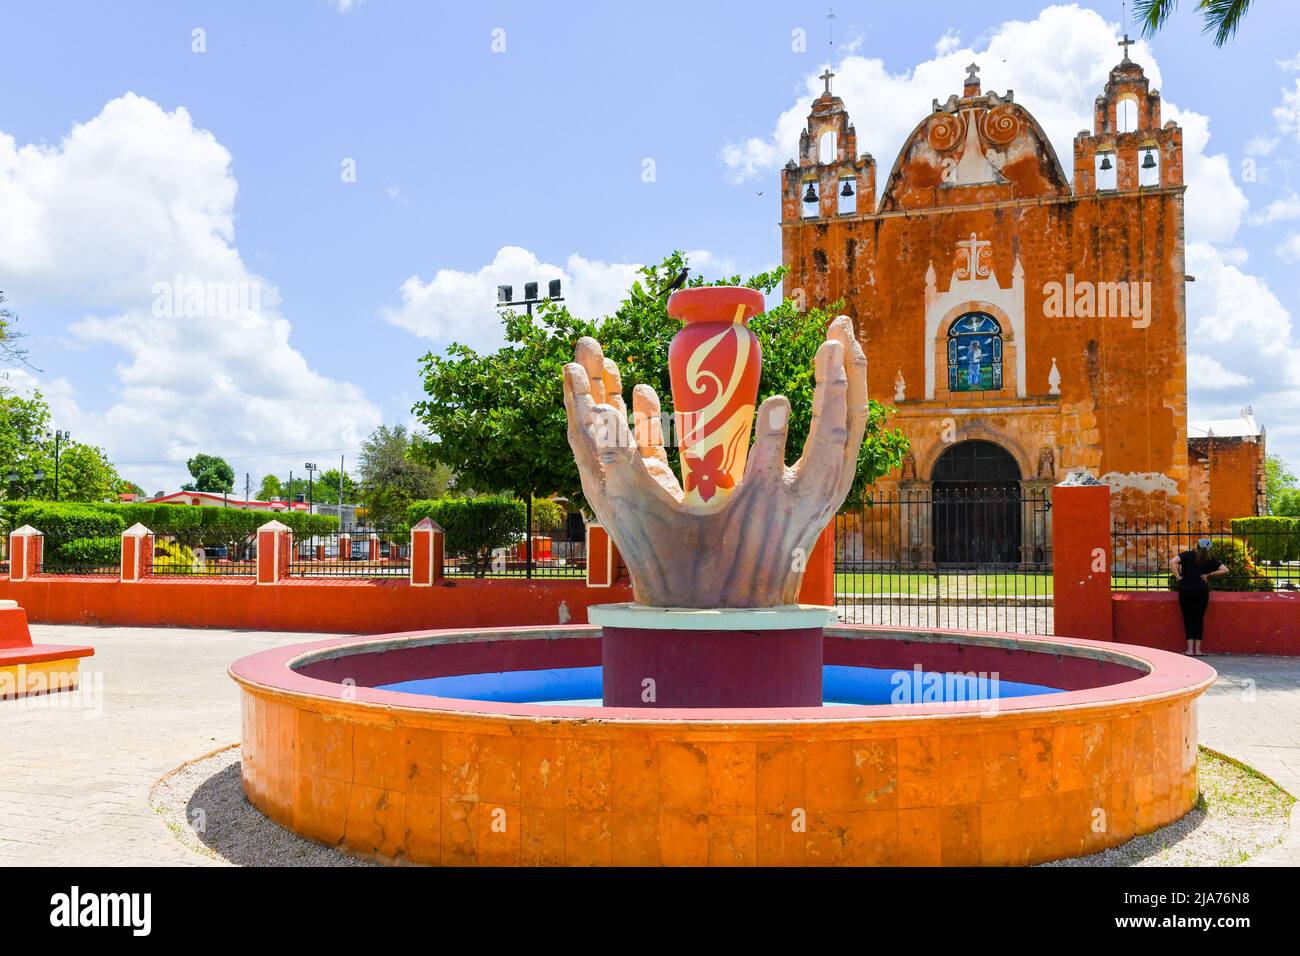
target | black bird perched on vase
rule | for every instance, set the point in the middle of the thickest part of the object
(678, 281)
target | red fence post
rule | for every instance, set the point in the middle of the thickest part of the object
(1081, 559)
(137, 553)
(274, 547)
(601, 560)
(426, 554)
(25, 552)
(818, 585)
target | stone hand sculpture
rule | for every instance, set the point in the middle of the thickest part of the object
(746, 549)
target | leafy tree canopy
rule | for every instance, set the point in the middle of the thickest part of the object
(498, 419)
(392, 476)
(1278, 481)
(211, 474)
(85, 474)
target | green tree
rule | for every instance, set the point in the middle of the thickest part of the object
(1220, 17)
(498, 419)
(327, 487)
(125, 487)
(11, 350)
(1278, 479)
(210, 473)
(23, 452)
(85, 474)
(270, 488)
(392, 477)
(1288, 503)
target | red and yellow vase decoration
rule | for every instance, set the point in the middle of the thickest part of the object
(714, 363)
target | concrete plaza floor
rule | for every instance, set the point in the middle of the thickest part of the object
(75, 781)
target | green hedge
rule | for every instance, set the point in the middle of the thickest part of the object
(473, 527)
(199, 524)
(1271, 538)
(60, 520)
(1243, 574)
(83, 553)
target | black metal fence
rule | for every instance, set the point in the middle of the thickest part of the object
(1266, 558)
(962, 556)
(360, 553)
(201, 554)
(75, 554)
(556, 553)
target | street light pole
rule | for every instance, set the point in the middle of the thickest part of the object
(505, 300)
(59, 438)
(311, 478)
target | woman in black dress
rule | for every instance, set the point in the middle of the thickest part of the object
(1191, 568)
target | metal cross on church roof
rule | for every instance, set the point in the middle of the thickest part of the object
(1126, 43)
(827, 77)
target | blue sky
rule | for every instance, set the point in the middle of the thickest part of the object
(228, 164)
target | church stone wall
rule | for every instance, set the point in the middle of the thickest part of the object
(1087, 286)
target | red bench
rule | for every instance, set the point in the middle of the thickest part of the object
(27, 668)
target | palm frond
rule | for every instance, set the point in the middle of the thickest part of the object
(1152, 14)
(1223, 17)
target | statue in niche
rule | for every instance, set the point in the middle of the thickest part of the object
(1047, 464)
(900, 387)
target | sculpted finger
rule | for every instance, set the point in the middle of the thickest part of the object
(855, 369)
(647, 420)
(589, 355)
(613, 382)
(767, 457)
(823, 455)
(578, 404)
(855, 364)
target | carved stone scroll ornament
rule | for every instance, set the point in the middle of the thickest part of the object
(747, 549)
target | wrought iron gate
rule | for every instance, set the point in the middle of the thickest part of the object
(968, 557)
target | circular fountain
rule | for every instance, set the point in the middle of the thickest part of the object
(715, 721)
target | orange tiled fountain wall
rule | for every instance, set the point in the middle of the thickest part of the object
(464, 789)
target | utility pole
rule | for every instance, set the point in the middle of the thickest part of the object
(340, 491)
(506, 300)
(248, 488)
(59, 438)
(311, 494)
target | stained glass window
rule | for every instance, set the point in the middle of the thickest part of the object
(975, 354)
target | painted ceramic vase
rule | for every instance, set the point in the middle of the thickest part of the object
(714, 364)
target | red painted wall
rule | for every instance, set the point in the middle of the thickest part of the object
(1237, 623)
(326, 606)
(1081, 554)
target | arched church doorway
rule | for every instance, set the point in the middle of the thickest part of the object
(977, 506)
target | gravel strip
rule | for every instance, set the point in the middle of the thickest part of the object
(204, 806)
(1240, 814)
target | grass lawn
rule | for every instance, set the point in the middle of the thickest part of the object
(945, 584)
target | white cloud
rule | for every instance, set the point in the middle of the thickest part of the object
(1209, 374)
(1290, 65)
(1260, 145)
(103, 222)
(459, 306)
(1290, 248)
(1287, 113)
(1056, 64)
(1288, 207)
(950, 41)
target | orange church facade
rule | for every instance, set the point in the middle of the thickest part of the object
(1000, 303)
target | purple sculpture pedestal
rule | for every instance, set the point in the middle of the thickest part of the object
(682, 657)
